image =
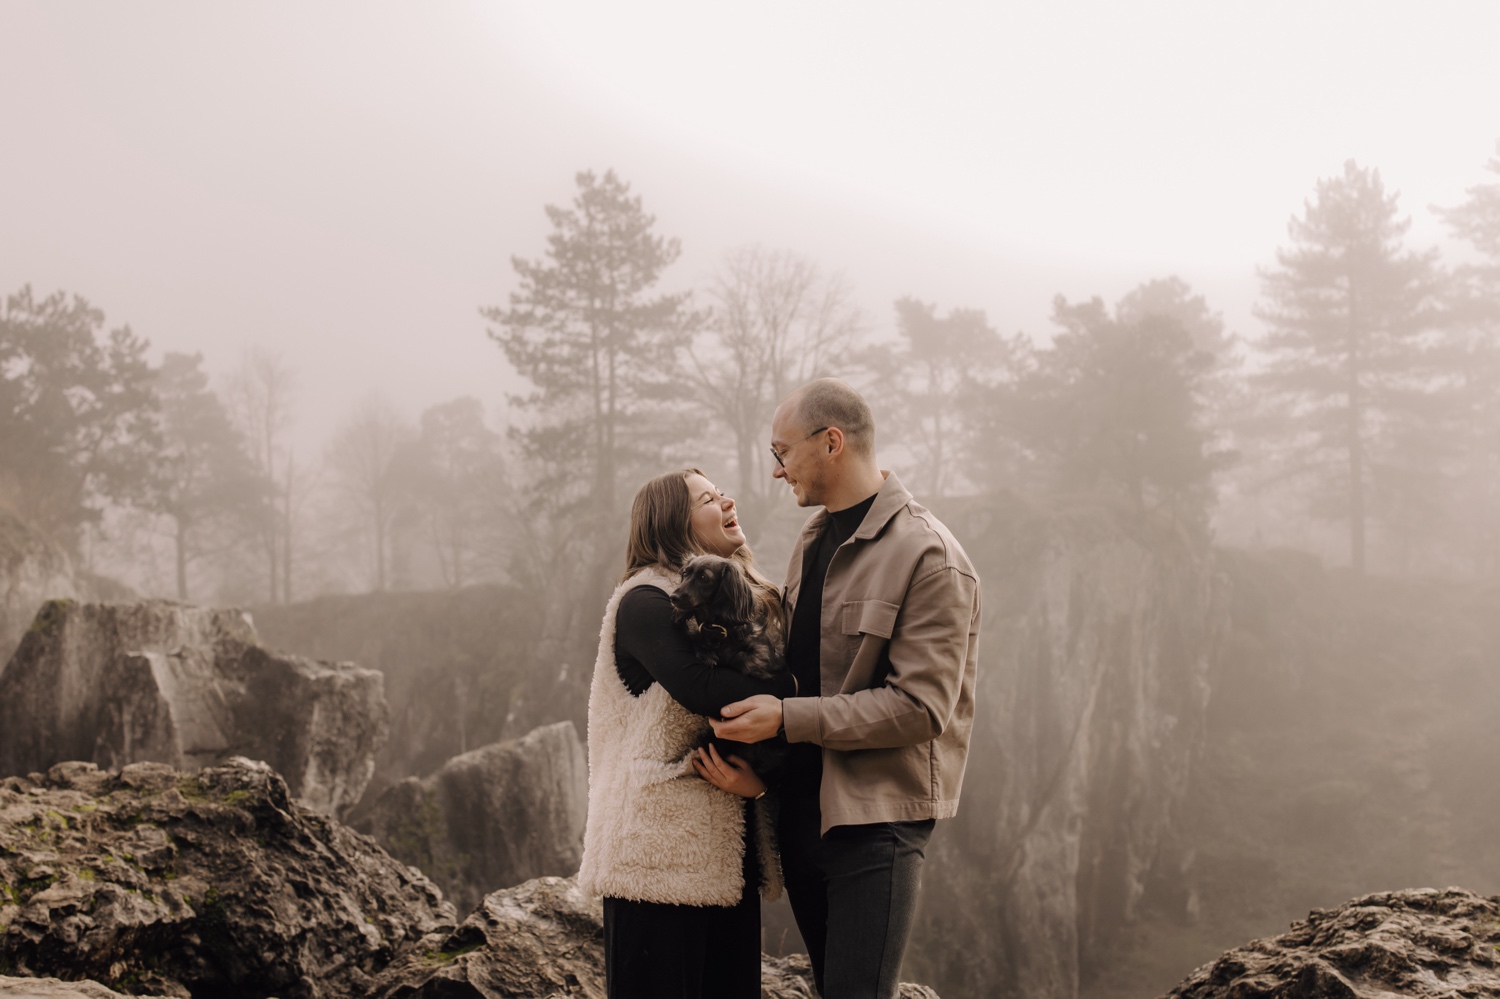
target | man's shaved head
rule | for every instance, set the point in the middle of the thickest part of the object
(829, 402)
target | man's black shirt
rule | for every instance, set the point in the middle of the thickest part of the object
(804, 639)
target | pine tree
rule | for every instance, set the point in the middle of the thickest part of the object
(78, 421)
(940, 363)
(1345, 375)
(1113, 406)
(1474, 346)
(587, 330)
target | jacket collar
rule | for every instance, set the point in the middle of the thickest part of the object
(891, 498)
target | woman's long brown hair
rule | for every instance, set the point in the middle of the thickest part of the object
(661, 535)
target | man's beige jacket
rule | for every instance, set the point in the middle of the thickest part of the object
(899, 651)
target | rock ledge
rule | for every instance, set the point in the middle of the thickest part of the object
(1420, 943)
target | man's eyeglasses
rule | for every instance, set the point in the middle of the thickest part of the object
(777, 454)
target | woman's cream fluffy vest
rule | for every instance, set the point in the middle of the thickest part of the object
(656, 831)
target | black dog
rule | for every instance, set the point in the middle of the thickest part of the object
(716, 606)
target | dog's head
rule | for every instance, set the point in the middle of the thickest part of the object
(713, 589)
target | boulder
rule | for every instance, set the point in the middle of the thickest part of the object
(545, 938)
(217, 883)
(186, 686)
(1420, 943)
(491, 818)
(56, 988)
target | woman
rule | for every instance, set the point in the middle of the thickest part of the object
(669, 823)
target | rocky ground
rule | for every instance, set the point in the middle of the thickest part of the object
(156, 882)
(210, 884)
(546, 938)
(1427, 944)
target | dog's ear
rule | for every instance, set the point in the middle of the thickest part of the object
(694, 576)
(738, 596)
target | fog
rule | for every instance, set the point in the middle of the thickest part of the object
(344, 184)
(1080, 257)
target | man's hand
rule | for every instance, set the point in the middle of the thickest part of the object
(755, 719)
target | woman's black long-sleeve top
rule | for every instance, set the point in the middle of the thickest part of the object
(650, 648)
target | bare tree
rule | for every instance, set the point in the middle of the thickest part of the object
(260, 395)
(452, 476)
(778, 321)
(361, 458)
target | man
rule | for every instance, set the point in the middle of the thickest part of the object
(883, 607)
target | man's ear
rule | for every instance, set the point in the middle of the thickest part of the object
(835, 441)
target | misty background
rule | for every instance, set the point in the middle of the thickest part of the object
(340, 190)
(375, 316)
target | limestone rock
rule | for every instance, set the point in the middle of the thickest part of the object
(185, 686)
(1421, 943)
(56, 988)
(491, 818)
(215, 883)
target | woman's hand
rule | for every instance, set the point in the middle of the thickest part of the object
(733, 775)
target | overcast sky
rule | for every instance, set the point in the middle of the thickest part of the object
(345, 183)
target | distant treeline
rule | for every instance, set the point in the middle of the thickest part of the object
(1363, 422)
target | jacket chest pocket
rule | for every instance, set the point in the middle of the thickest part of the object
(867, 626)
(869, 617)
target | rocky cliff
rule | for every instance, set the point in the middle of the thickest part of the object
(454, 662)
(1098, 638)
(1350, 747)
(490, 818)
(185, 686)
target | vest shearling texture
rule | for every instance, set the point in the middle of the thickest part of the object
(656, 831)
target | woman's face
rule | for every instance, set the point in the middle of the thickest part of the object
(714, 522)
